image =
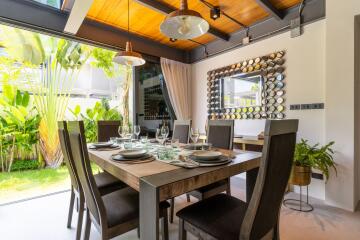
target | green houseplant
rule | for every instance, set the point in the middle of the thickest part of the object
(307, 157)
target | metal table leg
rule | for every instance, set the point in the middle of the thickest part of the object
(149, 211)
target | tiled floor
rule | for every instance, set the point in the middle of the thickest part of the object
(45, 218)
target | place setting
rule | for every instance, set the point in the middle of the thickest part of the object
(132, 156)
(104, 146)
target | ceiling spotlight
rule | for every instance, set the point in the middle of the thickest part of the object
(173, 39)
(215, 12)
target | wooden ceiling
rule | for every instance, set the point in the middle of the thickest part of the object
(146, 22)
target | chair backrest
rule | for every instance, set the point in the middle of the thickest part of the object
(220, 133)
(80, 155)
(68, 159)
(182, 130)
(107, 129)
(262, 215)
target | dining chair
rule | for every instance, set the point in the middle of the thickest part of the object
(182, 132)
(220, 134)
(107, 129)
(112, 214)
(104, 181)
(226, 217)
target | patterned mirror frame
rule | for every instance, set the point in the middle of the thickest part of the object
(271, 67)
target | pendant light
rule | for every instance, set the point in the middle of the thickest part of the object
(128, 57)
(184, 23)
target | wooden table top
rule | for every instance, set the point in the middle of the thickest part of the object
(161, 174)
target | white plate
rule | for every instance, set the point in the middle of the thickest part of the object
(206, 155)
(132, 153)
(102, 144)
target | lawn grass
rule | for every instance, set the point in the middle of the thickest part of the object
(20, 185)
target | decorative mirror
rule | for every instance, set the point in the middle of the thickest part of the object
(251, 89)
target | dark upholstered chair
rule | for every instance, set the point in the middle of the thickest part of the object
(105, 182)
(182, 130)
(107, 129)
(220, 134)
(112, 214)
(226, 217)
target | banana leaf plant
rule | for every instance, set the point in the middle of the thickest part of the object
(59, 62)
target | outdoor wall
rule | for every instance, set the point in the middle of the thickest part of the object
(305, 82)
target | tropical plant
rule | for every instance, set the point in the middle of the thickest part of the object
(316, 156)
(19, 126)
(100, 111)
(58, 62)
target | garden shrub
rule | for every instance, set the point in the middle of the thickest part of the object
(21, 165)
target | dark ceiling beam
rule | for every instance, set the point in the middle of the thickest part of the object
(166, 9)
(314, 10)
(34, 16)
(270, 8)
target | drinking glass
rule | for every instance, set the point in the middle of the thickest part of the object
(175, 143)
(137, 131)
(124, 131)
(159, 136)
(143, 139)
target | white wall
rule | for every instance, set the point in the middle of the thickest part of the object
(320, 67)
(305, 82)
(341, 191)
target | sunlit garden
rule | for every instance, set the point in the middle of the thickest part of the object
(44, 79)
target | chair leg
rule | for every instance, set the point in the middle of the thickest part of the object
(228, 189)
(182, 231)
(87, 226)
(80, 218)
(172, 205)
(188, 197)
(71, 208)
(165, 226)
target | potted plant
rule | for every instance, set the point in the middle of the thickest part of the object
(307, 157)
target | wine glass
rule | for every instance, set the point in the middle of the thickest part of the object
(137, 131)
(165, 131)
(194, 135)
(159, 136)
(124, 131)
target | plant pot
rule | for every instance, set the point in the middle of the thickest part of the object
(300, 176)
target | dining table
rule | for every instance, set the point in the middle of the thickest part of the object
(158, 181)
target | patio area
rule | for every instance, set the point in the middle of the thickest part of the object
(324, 223)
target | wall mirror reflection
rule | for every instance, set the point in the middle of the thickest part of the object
(241, 90)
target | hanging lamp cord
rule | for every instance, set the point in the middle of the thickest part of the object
(128, 15)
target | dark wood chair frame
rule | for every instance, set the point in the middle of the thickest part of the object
(103, 133)
(95, 204)
(172, 201)
(200, 195)
(76, 195)
(251, 220)
(76, 192)
(182, 123)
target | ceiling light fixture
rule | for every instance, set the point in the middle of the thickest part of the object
(184, 23)
(215, 12)
(128, 57)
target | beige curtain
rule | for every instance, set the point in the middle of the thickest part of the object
(178, 80)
